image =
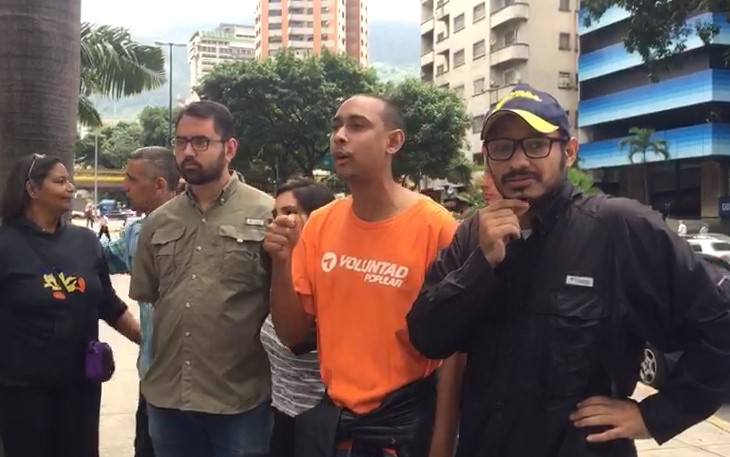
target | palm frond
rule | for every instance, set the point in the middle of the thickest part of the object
(88, 115)
(114, 65)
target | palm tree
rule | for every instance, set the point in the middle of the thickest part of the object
(39, 79)
(114, 65)
(640, 143)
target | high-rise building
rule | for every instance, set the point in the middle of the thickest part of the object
(228, 42)
(309, 26)
(481, 49)
(689, 109)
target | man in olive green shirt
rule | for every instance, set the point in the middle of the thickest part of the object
(200, 262)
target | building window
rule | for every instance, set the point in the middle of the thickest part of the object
(478, 86)
(480, 12)
(479, 49)
(565, 80)
(564, 5)
(510, 37)
(567, 114)
(459, 90)
(511, 77)
(459, 23)
(476, 123)
(564, 44)
(459, 58)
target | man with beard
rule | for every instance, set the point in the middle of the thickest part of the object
(552, 294)
(355, 272)
(200, 263)
(151, 180)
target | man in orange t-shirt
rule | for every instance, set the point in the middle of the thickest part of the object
(356, 270)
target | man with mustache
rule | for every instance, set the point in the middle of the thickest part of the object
(199, 261)
(552, 294)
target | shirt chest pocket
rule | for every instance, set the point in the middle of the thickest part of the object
(242, 260)
(166, 246)
(571, 327)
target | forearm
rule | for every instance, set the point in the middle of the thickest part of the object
(446, 425)
(448, 305)
(291, 321)
(128, 327)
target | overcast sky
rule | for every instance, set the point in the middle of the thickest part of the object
(152, 17)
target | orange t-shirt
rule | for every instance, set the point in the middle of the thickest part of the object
(363, 278)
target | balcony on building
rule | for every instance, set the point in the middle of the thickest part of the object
(508, 54)
(427, 72)
(427, 57)
(498, 91)
(512, 12)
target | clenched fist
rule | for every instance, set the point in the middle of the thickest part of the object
(282, 235)
(498, 223)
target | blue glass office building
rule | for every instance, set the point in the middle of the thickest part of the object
(689, 108)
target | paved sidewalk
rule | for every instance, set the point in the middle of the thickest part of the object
(119, 403)
(709, 438)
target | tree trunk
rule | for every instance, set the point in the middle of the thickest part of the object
(39, 79)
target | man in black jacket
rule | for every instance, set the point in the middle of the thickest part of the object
(552, 294)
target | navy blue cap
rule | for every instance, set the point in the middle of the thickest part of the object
(538, 109)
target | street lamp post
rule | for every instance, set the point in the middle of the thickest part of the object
(170, 45)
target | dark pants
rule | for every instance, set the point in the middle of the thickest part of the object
(142, 440)
(178, 433)
(282, 436)
(104, 230)
(55, 421)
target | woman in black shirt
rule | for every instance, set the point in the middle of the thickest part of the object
(54, 287)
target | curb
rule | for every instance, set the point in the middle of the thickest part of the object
(722, 424)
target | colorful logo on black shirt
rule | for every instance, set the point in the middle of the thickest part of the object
(68, 284)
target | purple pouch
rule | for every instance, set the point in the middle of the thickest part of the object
(99, 362)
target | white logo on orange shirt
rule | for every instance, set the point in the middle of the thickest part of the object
(375, 271)
(329, 261)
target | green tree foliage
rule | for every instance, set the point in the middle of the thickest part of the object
(116, 143)
(659, 28)
(154, 123)
(582, 179)
(436, 124)
(114, 65)
(640, 142)
(283, 106)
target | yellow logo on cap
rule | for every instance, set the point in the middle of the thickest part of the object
(517, 94)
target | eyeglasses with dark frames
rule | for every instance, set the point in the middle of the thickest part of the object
(539, 147)
(36, 157)
(198, 143)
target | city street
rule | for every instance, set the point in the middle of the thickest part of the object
(711, 438)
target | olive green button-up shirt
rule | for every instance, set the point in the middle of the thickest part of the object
(208, 279)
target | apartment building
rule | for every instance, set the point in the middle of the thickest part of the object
(688, 108)
(481, 49)
(309, 26)
(228, 42)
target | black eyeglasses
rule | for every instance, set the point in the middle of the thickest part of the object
(199, 143)
(502, 149)
(36, 157)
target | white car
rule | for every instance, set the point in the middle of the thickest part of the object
(710, 245)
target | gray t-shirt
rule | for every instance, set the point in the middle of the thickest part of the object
(296, 385)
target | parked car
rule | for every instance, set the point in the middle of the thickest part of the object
(656, 365)
(716, 245)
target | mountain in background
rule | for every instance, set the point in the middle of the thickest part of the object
(394, 53)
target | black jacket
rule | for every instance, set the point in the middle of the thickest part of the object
(565, 316)
(47, 320)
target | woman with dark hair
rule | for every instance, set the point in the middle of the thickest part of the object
(295, 380)
(54, 288)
